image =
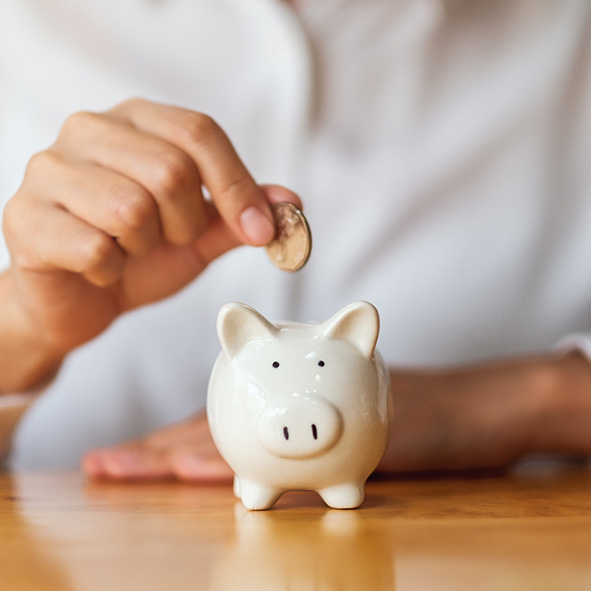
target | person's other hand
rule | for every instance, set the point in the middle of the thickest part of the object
(489, 415)
(185, 451)
(469, 418)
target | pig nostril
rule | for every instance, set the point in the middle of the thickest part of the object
(299, 427)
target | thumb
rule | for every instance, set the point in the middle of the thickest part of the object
(219, 238)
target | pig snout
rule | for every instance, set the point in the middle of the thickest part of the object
(302, 427)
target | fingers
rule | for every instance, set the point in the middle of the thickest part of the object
(120, 464)
(63, 241)
(277, 194)
(218, 237)
(184, 451)
(239, 200)
(113, 203)
(164, 172)
(149, 464)
(125, 182)
(89, 236)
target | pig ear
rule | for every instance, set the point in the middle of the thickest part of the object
(239, 324)
(358, 324)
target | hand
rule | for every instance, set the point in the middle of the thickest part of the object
(478, 417)
(185, 451)
(112, 216)
(490, 415)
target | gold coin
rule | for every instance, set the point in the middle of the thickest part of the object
(291, 247)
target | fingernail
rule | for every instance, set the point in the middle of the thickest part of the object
(258, 228)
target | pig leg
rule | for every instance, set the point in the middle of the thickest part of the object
(343, 496)
(255, 495)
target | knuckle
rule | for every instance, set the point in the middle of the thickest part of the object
(174, 173)
(41, 163)
(134, 212)
(234, 195)
(128, 105)
(235, 188)
(10, 219)
(79, 122)
(20, 221)
(199, 128)
(96, 251)
(132, 102)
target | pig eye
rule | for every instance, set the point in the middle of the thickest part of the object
(321, 363)
(275, 364)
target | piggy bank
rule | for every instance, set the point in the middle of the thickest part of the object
(299, 406)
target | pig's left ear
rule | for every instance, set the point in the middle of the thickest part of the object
(239, 324)
(358, 324)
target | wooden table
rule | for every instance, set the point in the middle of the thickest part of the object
(524, 531)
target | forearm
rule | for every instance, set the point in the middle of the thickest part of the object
(491, 415)
(26, 362)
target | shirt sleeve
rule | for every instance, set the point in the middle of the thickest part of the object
(575, 342)
(12, 408)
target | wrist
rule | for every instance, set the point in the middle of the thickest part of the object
(26, 360)
(561, 398)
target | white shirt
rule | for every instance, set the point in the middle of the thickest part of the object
(441, 149)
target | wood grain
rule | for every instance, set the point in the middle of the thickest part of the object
(525, 530)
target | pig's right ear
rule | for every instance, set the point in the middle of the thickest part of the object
(239, 324)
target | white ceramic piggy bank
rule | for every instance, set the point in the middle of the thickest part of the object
(299, 406)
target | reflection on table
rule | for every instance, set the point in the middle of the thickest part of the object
(525, 530)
